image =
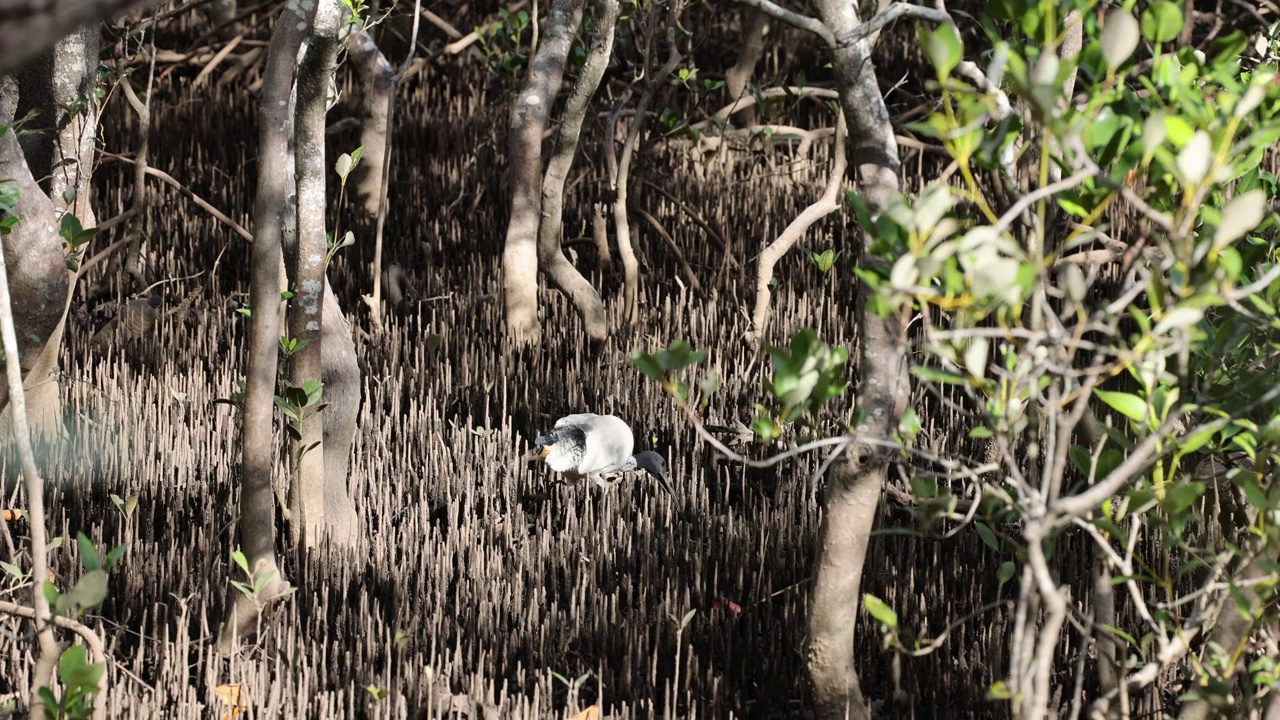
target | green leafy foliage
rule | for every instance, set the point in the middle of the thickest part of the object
(502, 44)
(880, 611)
(823, 260)
(806, 375)
(664, 365)
(357, 10)
(299, 404)
(251, 588)
(347, 162)
(1175, 364)
(80, 682)
(70, 230)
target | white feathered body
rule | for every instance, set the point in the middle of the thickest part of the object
(588, 444)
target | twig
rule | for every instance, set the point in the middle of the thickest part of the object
(894, 12)
(695, 216)
(217, 58)
(794, 19)
(938, 641)
(97, 653)
(689, 274)
(201, 202)
(746, 101)
(472, 37)
(441, 23)
(1040, 193)
(826, 204)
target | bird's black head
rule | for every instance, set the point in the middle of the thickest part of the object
(655, 465)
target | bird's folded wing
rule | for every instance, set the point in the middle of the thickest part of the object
(578, 419)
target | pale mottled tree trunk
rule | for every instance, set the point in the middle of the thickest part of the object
(35, 289)
(377, 82)
(528, 122)
(63, 153)
(562, 273)
(855, 481)
(38, 276)
(257, 522)
(754, 25)
(341, 373)
(307, 262)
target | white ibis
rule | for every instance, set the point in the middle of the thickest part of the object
(591, 446)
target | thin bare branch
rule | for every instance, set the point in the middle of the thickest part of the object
(794, 19)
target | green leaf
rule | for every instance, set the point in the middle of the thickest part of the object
(1177, 129)
(113, 556)
(937, 375)
(1081, 458)
(1181, 496)
(861, 209)
(81, 238)
(924, 486)
(1197, 440)
(1072, 207)
(764, 427)
(343, 166)
(994, 277)
(1240, 216)
(1161, 21)
(75, 669)
(51, 704)
(88, 553)
(69, 226)
(688, 616)
(1120, 38)
(1178, 319)
(1196, 158)
(1006, 571)
(1120, 634)
(10, 196)
(999, 691)
(880, 611)
(646, 364)
(909, 424)
(943, 48)
(1127, 404)
(1253, 492)
(988, 537)
(90, 590)
(296, 396)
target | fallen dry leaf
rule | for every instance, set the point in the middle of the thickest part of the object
(591, 713)
(231, 694)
